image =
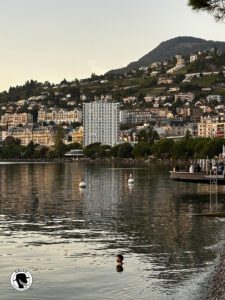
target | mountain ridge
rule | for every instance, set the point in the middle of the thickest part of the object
(182, 45)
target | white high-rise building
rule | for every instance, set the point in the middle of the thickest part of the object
(101, 123)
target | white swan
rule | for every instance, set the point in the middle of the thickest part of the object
(131, 179)
(82, 183)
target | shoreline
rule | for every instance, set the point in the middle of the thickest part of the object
(216, 283)
(97, 160)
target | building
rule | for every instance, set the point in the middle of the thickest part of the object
(78, 135)
(59, 116)
(173, 89)
(193, 57)
(75, 153)
(184, 97)
(101, 123)
(123, 116)
(212, 128)
(39, 135)
(149, 98)
(165, 80)
(179, 65)
(192, 113)
(210, 98)
(11, 120)
(140, 116)
(129, 99)
(175, 128)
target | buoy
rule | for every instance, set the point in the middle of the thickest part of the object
(82, 184)
(131, 179)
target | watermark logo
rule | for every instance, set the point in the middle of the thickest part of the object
(21, 280)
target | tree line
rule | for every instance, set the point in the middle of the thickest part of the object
(188, 148)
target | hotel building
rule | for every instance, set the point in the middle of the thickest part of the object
(59, 116)
(15, 119)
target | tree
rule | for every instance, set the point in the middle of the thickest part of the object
(162, 148)
(10, 140)
(12, 151)
(74, 145)
(148, 135)
(92, 150)
(124, 127)
(125, 150)
(34, 113)
(212, 148)
(178, 150)
(30, 150)
(60, 148)
(75, 124)
(214, 7)
(142, 149)
(114, 151)
(187, 135)
(43, 152)
(97, 150)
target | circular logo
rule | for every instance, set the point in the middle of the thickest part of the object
(21, 280)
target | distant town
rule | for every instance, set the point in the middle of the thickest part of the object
(165, 101)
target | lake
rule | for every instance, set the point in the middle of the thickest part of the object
(68, 238)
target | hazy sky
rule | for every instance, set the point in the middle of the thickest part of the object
(56, 39)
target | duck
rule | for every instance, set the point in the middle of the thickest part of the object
(131, 179)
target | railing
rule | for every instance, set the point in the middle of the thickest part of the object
(213, 190)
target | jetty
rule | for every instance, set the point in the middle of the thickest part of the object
(198, 177)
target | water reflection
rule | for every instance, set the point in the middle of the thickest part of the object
(153, 221)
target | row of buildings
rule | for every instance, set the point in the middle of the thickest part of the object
(56, 115)
(101, 123)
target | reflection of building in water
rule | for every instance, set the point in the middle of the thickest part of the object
(18, 182)
(54, 185)
(103, 193)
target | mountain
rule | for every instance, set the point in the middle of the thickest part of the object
(182, 45)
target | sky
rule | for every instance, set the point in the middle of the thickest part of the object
(49, 40)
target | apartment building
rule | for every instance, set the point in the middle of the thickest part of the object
(101, 123)
(211, 128)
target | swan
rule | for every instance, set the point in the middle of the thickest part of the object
(82, 183)
(131, 179)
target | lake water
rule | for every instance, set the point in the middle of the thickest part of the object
(68, 238)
